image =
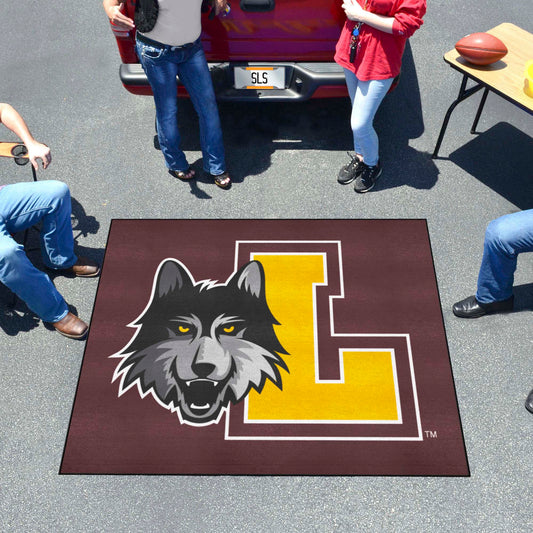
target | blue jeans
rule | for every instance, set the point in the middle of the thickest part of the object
(366, 96)
(162, 65)
(505, 238)
(23, 205)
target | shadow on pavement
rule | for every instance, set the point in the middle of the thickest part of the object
(14, 320)
(502, 159)
(523, 297)
(398, 120)
(254, 131)
(81, 222)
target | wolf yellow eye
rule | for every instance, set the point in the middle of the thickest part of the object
(184, 329)
(229, 329)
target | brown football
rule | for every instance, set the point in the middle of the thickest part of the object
(481, 48)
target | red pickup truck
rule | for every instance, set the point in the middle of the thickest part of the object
(262, 50)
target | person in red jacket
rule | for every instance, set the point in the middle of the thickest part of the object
(370, 49)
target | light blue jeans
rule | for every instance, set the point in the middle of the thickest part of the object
(162, 65)
(23, 205)
(366, 97)
(505, 238)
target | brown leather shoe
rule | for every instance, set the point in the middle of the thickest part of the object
(84, 268)
(71, 326)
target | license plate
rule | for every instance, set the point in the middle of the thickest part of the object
(259, 77)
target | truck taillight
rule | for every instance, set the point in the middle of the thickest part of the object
(118, 32)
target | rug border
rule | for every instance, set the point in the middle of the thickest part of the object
(468, 473)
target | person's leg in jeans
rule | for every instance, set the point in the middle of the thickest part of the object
(23, 205)
(195, 76)
(161, 68)
(366, 97)
(505, 238)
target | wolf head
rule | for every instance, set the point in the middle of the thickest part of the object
(202, 345)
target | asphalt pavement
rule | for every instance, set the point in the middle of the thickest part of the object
(59, 68)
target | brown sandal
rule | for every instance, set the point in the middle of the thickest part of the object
(222, 180)
(183, 175)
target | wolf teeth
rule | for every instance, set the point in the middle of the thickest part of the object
(214, 383)
(205, 406)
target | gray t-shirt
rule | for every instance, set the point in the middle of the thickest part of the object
(178, 23)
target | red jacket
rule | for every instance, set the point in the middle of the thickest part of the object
(379, 54)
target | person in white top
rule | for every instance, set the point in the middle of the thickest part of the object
(168, 48)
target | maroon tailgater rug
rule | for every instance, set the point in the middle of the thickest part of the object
(287, 347)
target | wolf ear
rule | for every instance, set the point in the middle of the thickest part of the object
(172, 276)
(250, 278)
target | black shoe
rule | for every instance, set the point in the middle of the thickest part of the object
(368, 177)
(350, 171)
(471, 308)
(529, 402)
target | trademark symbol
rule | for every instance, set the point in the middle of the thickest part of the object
(431, 434)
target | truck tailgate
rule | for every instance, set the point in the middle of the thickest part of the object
(304, 30)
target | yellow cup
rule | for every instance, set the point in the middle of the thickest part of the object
(528, 82)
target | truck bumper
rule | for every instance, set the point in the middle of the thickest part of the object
(302, 82)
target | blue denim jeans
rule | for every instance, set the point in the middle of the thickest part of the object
(366, 96)
(23, 205)
(505, 238)
(162, 65)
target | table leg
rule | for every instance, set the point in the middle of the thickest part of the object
(464, 93)
(480, 110)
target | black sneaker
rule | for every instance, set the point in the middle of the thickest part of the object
(367, 178)
(350, 171)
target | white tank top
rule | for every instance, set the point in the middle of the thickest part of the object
(178, 22)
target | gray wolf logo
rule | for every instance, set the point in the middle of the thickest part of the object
(201, 345)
